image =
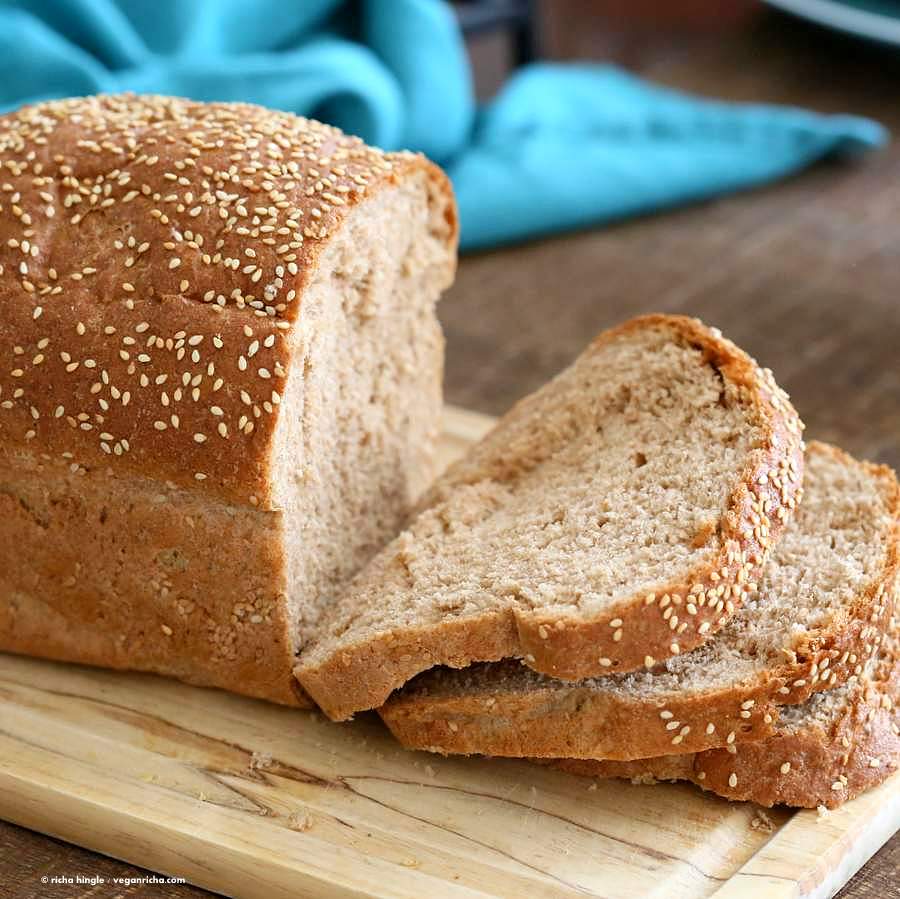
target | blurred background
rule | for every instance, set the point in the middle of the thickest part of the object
(803, 270)
(805, 273)
(501, 34)
(610, 157)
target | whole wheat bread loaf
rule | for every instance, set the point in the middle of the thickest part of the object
(220, 373)
(613, 519)
(818, 615)
(829, 749)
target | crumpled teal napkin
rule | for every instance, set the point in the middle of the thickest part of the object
(561, 146)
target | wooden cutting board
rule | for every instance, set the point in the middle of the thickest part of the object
(252, 799)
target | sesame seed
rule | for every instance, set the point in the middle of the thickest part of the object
(785, 768)
(732, 780)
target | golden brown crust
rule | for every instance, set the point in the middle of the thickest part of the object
(649, 627)
(577, 722)
(554, 719)
(813, 765)
(123, 573)
(153, 257)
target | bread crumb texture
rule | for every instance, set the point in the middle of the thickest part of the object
(813, 621)
(618, 515)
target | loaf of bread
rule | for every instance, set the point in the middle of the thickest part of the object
(827, 750)
(220, 375)
(650, 477)
(824, 599)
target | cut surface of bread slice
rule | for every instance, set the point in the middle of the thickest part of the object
(827, 750)
(815, 619)
(649, 478)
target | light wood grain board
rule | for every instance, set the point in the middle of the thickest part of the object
(251, 799)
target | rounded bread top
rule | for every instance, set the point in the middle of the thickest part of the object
(153, 257)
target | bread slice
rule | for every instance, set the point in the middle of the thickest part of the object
(822, 601)
(220, 385)
(612, 519)
(827, 750)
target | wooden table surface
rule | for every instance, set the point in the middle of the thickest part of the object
(804, 274)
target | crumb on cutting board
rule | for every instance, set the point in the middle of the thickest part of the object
(300, 821)
(762, 822)
(259, 761)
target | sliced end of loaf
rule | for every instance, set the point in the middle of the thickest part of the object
(359, 423)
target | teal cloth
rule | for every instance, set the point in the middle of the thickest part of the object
(561, 146)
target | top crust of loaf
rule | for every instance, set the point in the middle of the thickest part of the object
(154, 252)
(500, 709)
(345, 676)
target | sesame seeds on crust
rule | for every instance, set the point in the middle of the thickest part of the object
(540, 721)
(153, 257)
(818, 760)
